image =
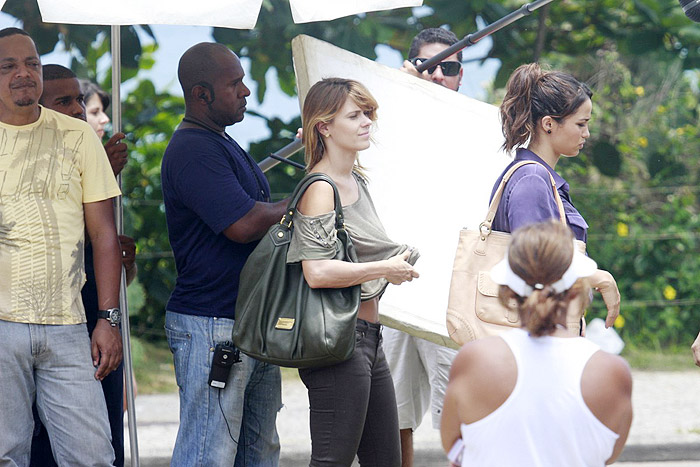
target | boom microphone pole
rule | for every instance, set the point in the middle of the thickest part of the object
(472, 39)
(691, 8)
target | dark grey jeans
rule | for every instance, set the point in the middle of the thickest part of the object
(353, 407)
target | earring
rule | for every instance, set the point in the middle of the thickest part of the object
(549, 132)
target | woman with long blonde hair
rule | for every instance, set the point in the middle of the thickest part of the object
(353, 407)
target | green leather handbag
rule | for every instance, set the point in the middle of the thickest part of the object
(279, 318)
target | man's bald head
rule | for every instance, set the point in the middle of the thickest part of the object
(200, 65)
(212, 81)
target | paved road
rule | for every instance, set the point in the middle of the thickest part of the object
(665, 431)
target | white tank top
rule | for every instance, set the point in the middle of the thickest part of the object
(545, 421)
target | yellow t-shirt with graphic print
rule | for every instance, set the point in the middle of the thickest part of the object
(48, 170)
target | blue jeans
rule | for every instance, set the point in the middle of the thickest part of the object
(219, 425)
(52, 364)
(113, 390)
(353, 408)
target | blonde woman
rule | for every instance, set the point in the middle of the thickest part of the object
(352, 404)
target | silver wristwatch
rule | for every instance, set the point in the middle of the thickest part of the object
(112, 315)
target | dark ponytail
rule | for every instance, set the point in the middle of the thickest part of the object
(531, 94)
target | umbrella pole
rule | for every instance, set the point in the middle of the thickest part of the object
(123, 304)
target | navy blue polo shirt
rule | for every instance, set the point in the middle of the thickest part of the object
(528, 197)
(209, 182)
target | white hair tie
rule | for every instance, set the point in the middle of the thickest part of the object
(581, 266)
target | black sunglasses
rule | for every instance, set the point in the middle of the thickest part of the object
(448, 68)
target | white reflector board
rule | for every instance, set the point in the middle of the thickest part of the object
(237, 14)
(304, 11)
(435, 159)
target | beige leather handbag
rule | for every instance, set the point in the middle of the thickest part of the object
(473, 307)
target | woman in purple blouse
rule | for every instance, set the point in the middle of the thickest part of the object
(545, 116)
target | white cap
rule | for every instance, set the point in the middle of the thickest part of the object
(581, 266)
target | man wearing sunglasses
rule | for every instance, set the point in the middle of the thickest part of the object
(427, 44)
(421, 369)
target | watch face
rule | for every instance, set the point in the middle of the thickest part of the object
(115, 316)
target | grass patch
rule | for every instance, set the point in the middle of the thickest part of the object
(289, 374)
(153, 367)
(669, 359)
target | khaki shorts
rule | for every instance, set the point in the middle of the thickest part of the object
(420, 370)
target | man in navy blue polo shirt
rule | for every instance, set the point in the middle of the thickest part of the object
(217, 206)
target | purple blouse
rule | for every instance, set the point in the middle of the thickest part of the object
(528, 198)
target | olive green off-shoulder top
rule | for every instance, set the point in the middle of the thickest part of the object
(315, 237)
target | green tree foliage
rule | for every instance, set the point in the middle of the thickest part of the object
(644, 208)
(639, 29)
(149, 121)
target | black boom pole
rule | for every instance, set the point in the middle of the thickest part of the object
(472, 39)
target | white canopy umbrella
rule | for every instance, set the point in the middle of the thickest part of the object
(305, 11)
(236, 14)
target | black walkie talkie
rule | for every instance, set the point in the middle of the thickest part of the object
(225, 355)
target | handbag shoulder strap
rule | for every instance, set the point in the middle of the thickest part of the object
(299, 192)
(493, 207)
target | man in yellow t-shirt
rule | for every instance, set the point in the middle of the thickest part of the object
(62, 93)
(55, 181)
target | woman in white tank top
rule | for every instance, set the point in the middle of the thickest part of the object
(537, 396)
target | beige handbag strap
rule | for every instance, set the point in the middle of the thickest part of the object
(485, 227)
